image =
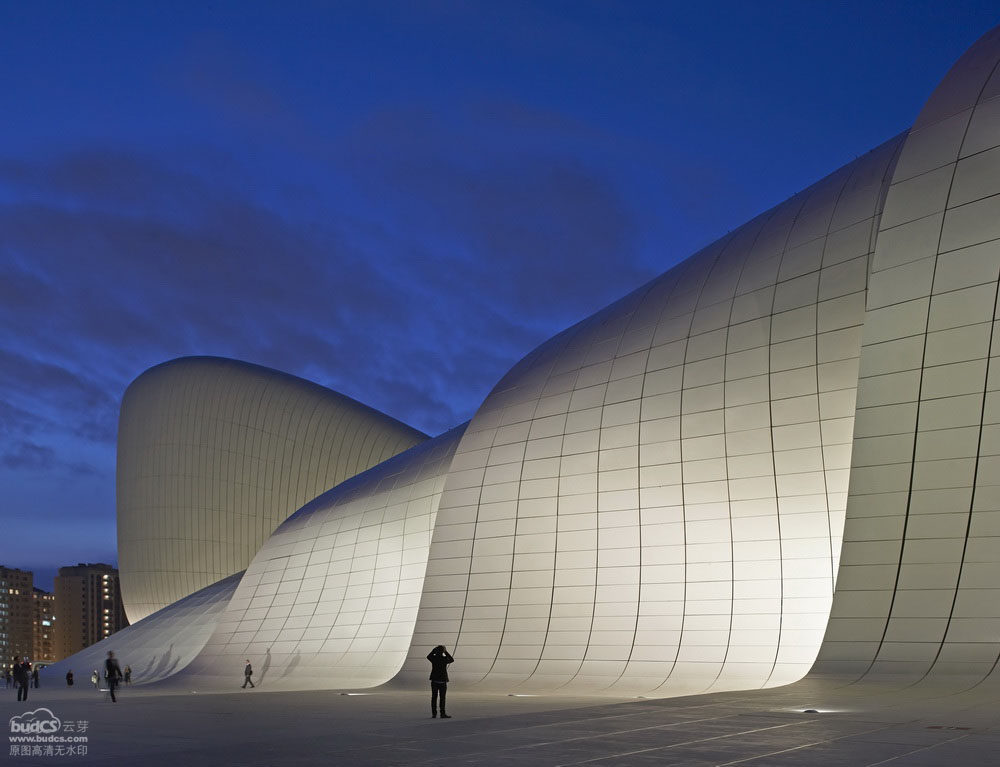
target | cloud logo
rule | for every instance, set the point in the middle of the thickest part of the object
(41, 721)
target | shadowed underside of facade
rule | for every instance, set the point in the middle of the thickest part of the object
(779, 455)
(160, 644)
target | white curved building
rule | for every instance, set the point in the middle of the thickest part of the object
(332, 597)
(214, 454)
(918, 589)
(653, 500)
(780, 455)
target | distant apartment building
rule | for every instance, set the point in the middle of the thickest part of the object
(43, 627)
(16, 614)
(89, 606)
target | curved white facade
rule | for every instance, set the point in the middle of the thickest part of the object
(332, 597)
(919, 590)
(785, 447)
(652, 502)
(214, 454)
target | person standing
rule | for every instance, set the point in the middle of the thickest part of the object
(95, 678)
(34, 677)
(113, 673)
(22, 674)
(439, 658)
(69, 678)
(247, 673)
(128, 675)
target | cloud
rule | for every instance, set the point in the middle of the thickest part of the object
(27, 455)
(23, 455)
(15, 420)
(515, 218)
(96, 177)
(25, 378)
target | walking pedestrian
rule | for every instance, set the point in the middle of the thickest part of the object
(34, 677)
(69, 678)
(439, 658)
(113, 673)
(128, 675)
(22, 674)
(247, 673)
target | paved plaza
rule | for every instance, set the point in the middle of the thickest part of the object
(854, 726)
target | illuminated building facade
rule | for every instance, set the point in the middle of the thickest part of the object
(778, 458)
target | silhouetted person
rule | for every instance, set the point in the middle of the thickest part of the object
(8, 678)
(128, 675)
(69, 678)
(34, 678)
(247, 673)
(439, 658)
(113, 673)
(22, 674)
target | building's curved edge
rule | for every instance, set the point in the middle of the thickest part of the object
(918, 586)
(213, 454)
(331, 599)
(651, 502)
(157, 646)
(292, 379)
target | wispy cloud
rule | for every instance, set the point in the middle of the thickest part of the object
(408, 261)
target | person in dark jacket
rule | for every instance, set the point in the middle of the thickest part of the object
(34, 677)
(247, 673)
(69, 678)
(113, 673)
(22, 675)
(439, 658)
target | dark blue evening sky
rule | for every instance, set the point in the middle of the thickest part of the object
(395, 199)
